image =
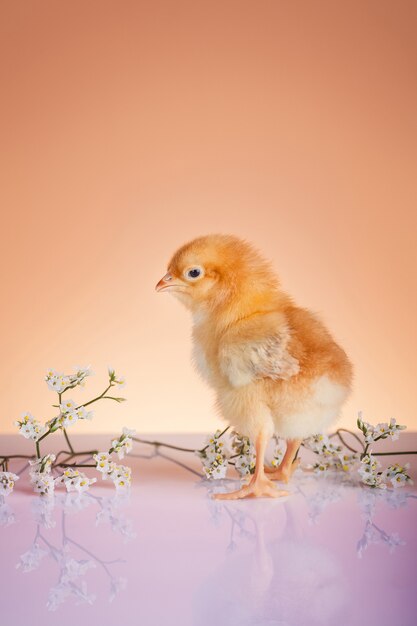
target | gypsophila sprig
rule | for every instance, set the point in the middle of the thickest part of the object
(41, 467)
(7, 481)
(123, 444)
(214, 457)
(279, 451)
(29, 427)
(245, 454)
(380, 431)
(74, 480)
(398, 475)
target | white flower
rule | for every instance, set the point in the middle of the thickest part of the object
(214, 456)
(7, 481)
(278, 453)
(116, 379)
(74, 480)
(398, 475)
(31, 559)
(67, 405)
(29, 427)
(369, 473)
(394, 429)
(244, 464)
(56, 381)
(43, 483)
(121, 476)
(123, 444)
(103, 463)
(83, 414)
(81, 374)
(42, 465)
(67, 419)
(59, 382)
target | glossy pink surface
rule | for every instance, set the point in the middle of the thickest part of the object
(330, 553)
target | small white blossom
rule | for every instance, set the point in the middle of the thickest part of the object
(278, 453)
(115, 379)
(59, 382)
(42, 465)
(43, 483)
(56, 381)
(123, 444)
(246, 461)
(29, 427)
(67, 406)
(369, 473)
(83, 414)
(214, 457)
(7, 481)
(398, 475)
(67, 419)
(74, 480)
(121, 475)
(380, 431)
(103, 463)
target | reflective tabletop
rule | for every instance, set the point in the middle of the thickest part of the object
(332, 552)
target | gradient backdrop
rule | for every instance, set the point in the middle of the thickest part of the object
(129, 127)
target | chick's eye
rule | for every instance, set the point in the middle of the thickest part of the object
(194, 272)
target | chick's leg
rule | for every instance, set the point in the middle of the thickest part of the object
(260, 485)
(288, 463)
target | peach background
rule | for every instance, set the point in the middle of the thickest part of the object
(130, 127)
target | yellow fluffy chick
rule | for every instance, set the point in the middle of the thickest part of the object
(273, 365)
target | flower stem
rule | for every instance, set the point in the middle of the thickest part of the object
(76, 465)
(38, 452)
(394, 453)
(165, 445)
(97, 398)
(67, 440)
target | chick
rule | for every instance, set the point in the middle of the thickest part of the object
(274, 366)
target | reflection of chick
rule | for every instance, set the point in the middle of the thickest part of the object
(273, 365)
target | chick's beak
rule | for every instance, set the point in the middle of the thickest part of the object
(167, 283)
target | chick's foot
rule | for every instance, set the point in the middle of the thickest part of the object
(259, 487)
(283, 472)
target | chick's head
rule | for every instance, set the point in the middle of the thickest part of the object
(211, 269)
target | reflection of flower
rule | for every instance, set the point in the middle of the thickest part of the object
(374, 535)
(62, 591)
(43, 512)
(7, 516)
(110, 513)
(7, 481)
(31, 559)
(66, 553)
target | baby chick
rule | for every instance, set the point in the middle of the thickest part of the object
(274, 366)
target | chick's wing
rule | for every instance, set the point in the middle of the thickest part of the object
(256, 349)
